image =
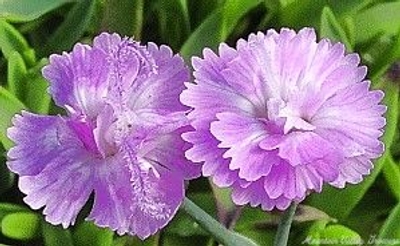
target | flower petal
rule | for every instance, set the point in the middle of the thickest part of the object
(232, 129)
(255, 195)
(78, 80)
(308, 148)
(212, 94)
(131, 196)
(52, 136)
(63, 187)
(352, 116)
(352, 171)
(56, 170)
(169, 152)
(205, 150)
(168, 81)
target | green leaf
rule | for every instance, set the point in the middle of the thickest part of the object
(21, 225)
(8, 208)
(12, 41)
(9, 105)
(349, 28)
(384, 59)
(124, 17)
(292, 13)
(217, 27)
(174, 22)
(6, 179)
(322, 233)
(173, 240)
(200, 10)
(135, 241)
(331, 28)
(314, 231)
(338, 203)
(297, 14)
(390, 229)
(208, 34)
(36, 97)
(381, 19)
(306, 213)
(251, 225)
(368, 215)
(28, 85)
(183, 225)
(261, 229)
(255, 218)
(233, 11)
(87, 233)
(56, 235)
(391, 171)
(257, 225)
(16, 75)
(340, 234)
(27, 10)
(71, 29)
(348, 8)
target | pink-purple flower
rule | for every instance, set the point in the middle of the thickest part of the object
(120, 138)
(281, 115)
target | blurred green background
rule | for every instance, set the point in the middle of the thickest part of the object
(31, 30)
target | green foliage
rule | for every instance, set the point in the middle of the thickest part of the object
(21, 225)
(56, 235)
(27, 10)
(391, 171)
(257, 225)
(217, 27)
(12, 41)
(321, 233)
(331, 28)
(381, 19)
(134, 241)
(72, 28)
(87, 233)
(208, 34)
(9, 105)
(6, 178)
(390, 231)
(296, 13)
(9, 208)
(16, 74)
(124, 17)
(386, 57)
(174, 24)
(36, 85)
(184, 226)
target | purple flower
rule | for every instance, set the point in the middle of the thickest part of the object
(280, 115)
(120, 138)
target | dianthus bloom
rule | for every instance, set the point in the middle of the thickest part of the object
(120, 138)
(281, 115)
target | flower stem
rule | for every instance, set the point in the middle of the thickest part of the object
(282, 235)
(219, 232)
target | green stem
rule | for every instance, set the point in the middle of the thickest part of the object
(219, 232)
(282, 235)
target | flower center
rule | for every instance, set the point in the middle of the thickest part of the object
(279, 109)
(84, 131)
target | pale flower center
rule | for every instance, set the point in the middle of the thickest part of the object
(278, 109)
